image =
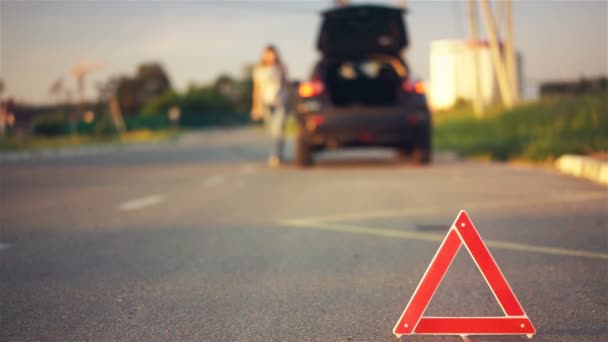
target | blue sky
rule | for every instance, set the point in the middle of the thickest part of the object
(40, 41)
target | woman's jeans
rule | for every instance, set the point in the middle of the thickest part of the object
(274, 120)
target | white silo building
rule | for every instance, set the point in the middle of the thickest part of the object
(452, 73)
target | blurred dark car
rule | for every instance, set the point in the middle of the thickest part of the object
(360, 92)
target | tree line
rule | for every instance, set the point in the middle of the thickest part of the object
(150, 92)
(144, 99)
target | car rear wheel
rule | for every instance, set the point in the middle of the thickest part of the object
(303, 157)
(423, 153)
(421, 156)
(403, 153)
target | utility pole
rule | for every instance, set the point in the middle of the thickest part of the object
(108, 93)
(116, 114)
(55, 92)
(497, 60)
(474, 43)
(499, 16)
(3, 111)
(510, 51)
(79, 71)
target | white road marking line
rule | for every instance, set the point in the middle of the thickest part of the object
(4, 246)
(571, 198)
(420, 236)
(214, 180)
(140, 203)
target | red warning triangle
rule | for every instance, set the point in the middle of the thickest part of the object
(515, 321)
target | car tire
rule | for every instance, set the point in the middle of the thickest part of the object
(421, 156)
(303, 157)
(402, 153)
(423, 153)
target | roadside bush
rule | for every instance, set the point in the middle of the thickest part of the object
(538, 131)
(50, 125)
(201, 106)
(148, 121)
(103, 127)
(160, 105)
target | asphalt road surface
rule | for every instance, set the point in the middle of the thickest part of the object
(198, 239)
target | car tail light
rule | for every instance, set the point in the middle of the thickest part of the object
(417, 87)
(366, 138)
(412, 119)
(310, 89)
(314, 121)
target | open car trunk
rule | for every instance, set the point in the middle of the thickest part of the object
(367, 81)
(356, 30)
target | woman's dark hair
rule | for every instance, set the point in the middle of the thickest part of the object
(271, 47)
(278, 59)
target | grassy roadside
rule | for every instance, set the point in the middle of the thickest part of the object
(40, 143)
(537, 131)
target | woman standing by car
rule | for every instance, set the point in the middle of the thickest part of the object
(270, 99)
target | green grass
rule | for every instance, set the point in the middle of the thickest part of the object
(537, 131)
(38, 143)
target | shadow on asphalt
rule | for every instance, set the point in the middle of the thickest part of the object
(575, 332)
(432, 227)
(348, 160)
(365, 163)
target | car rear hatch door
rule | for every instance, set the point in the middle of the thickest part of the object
(355, 30)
